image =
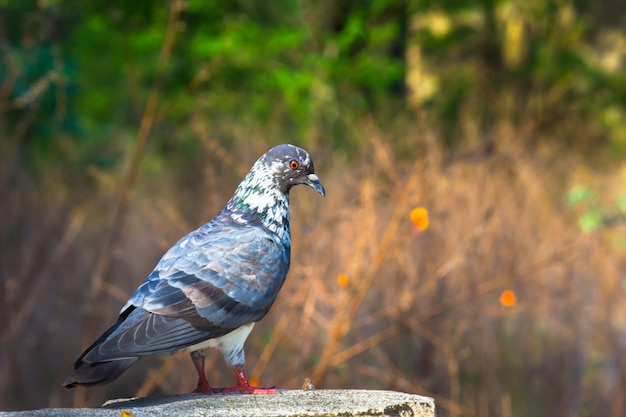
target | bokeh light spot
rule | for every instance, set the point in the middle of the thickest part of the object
(508, 298)
(419, 217)
(343, 280)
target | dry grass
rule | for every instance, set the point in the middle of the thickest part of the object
(416, 312)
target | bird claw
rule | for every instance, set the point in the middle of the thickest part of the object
(248, 389)
(244, 387)
(206, 391)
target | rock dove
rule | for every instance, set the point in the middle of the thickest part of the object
(213, 285)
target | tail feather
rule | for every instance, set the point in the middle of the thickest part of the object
(98, 373)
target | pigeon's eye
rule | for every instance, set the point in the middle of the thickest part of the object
(293, 164)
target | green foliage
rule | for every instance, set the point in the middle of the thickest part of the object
(597, 214)
(591, 220)
(580, 194)
(303, 73)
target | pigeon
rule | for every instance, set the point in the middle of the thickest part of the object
(213, 285)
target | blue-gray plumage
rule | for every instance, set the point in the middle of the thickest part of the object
(210, 288)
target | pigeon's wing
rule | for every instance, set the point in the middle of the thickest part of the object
(211, 282)
(143, 333)
(223, 276)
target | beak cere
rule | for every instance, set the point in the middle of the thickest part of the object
(314, 181)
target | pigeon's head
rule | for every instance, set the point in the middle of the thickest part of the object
(264, 194)
(289, 165)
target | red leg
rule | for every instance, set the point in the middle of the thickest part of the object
(203, 385)
(244, 387)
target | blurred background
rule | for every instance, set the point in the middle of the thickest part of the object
(472, 245)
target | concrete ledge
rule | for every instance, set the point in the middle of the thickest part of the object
(301, 403)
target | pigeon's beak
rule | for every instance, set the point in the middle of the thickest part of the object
(314, 181)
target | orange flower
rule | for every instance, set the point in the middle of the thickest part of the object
(508, 298)
(343, 280)
(419, 217)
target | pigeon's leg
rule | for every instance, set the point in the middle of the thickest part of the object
(232, 349)
(203, 385)
(244, 387)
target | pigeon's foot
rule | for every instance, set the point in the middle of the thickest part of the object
(203, 384)
(200, 389)
(244, 387)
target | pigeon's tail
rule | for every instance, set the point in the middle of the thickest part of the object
(98, 373)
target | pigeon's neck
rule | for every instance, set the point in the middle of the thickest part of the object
(259, 200)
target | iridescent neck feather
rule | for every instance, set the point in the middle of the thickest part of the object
(259, 199)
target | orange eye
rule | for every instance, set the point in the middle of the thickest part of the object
(293, 164)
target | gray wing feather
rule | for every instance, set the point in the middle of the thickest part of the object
(230, 278)
(144, 333)
(211, 282)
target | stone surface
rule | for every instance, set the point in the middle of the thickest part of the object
(301, 403)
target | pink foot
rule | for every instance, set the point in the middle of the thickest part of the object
(244, 387)
(203, 385)
(206, 389)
